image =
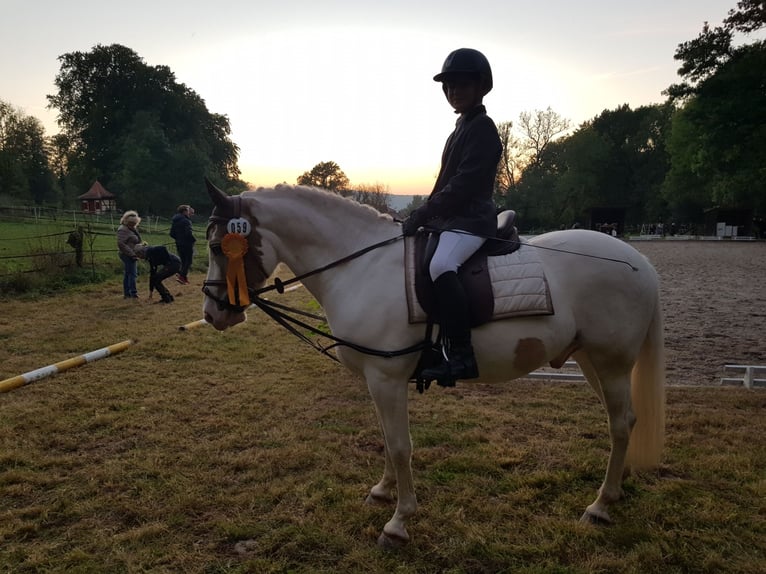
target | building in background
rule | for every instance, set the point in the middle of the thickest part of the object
(97, 199)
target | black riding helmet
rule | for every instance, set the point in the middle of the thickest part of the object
(467, 61)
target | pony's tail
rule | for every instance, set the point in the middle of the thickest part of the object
(648, 397)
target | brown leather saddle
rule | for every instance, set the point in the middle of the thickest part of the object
(473, 274)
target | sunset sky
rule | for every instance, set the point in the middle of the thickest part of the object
(304, 81)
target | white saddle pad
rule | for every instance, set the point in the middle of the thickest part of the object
(518, 281)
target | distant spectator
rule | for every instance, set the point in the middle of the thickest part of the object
(127, 241)
(163, 264)
(181, 231)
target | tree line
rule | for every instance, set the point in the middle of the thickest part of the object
(151, 140)
(704, 147)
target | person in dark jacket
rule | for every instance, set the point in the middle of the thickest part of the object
(162, 265)
(460, 205)
(181, 231)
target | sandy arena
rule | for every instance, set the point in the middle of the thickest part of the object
(714, 304)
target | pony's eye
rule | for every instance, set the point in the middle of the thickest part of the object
(215, 248)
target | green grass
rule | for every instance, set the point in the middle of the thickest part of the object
(166, 457)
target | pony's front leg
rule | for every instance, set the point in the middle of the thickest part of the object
(390, 397)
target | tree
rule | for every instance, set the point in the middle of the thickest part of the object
(700, 59)
(375, 195)
(717, 139)
(147, 137)
(25, 171)
(637, 159)
(585, 156)
(510, 166)
(326, 175)
(533, 165)
(704, 56)
(617, 159)
(540, 129)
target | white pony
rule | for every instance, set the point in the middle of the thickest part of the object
(607, 317)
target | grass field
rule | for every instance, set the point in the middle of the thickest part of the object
(165, 457)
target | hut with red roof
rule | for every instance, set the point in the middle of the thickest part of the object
(97, 199)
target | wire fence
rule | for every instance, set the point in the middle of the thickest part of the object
(108, 219)
(46, 242)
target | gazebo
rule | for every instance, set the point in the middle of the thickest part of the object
(97, 199)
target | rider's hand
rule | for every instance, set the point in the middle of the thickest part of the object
(411, 225)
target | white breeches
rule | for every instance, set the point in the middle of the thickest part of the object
(453, 250)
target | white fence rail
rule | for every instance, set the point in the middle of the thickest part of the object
(748, 375)
(569, 372)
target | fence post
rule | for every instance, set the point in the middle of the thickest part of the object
(748, 380)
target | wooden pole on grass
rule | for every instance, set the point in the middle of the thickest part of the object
(192, 325)
(37, 374)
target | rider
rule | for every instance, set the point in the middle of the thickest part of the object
(460, 205)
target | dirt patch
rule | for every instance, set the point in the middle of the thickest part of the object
(714, 303)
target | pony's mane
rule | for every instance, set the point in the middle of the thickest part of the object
(320, 198)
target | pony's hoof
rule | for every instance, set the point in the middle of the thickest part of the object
(377, 500)
(390, 542)
(595, 518)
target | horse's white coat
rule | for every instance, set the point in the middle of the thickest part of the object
(607, 318)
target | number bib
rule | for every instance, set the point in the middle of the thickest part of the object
(239, 226)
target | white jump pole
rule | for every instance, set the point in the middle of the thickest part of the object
(192, 325)
(37, 374)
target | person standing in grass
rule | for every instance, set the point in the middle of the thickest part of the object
(181, 231)
(128, 239)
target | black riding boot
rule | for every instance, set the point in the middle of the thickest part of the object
(453, 308)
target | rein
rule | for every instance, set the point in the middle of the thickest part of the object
(515, 242)
(279, 312)
(279, 285)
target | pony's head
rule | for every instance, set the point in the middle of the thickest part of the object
(235, 259)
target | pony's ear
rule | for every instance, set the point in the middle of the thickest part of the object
(220, 199)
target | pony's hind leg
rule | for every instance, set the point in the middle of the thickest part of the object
(589, 372)
(615, 393)
(381, 493)
(390, 399)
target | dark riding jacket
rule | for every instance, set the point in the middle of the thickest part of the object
(462, 194)
(181, 230)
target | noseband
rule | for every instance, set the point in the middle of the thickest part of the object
(222, 304)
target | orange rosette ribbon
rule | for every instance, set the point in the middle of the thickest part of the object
(234, 247)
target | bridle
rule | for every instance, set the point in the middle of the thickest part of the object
(282, 313)
(224, 304)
